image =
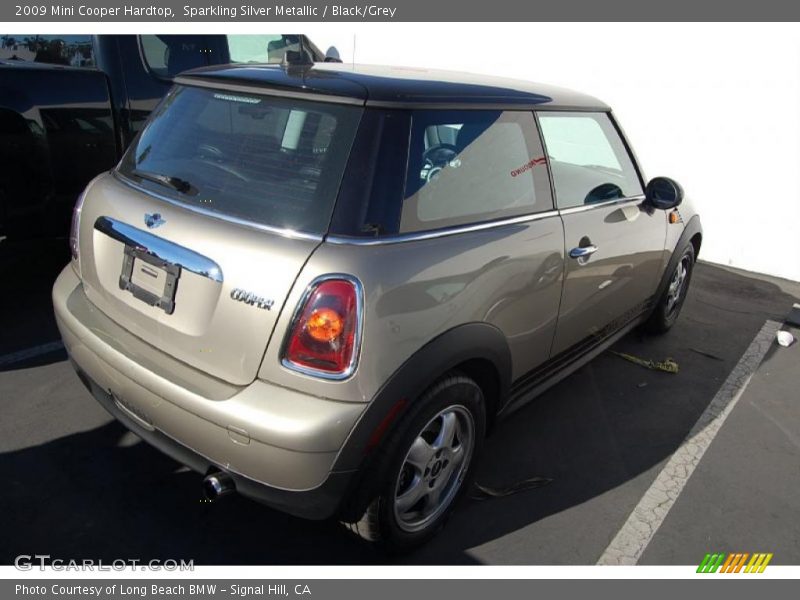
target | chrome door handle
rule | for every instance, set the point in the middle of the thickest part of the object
(582, 251)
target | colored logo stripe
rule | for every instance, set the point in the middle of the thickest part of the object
(734, 562)
(758, 563)
(711, 563)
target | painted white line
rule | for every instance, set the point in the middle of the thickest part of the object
(28, 353)
(632, 539)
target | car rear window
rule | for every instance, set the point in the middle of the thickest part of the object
(269, 160)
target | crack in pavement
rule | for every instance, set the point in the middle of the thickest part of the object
(632, 539)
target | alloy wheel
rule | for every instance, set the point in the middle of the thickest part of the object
(434, 468)
(678, 284)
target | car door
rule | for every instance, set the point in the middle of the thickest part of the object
(483, 173)
(614, 243)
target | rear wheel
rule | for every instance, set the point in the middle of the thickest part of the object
(671, 301)
(425, 466)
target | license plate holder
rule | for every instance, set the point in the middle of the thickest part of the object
(137, 258)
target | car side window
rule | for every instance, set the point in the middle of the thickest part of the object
(469, 167)
(588, 159)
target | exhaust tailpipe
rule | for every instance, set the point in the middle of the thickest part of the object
(216, 485)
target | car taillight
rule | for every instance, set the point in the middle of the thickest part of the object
(75, 226)
(325, 333)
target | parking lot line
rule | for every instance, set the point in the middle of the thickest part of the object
(28, 353)
(638, 530)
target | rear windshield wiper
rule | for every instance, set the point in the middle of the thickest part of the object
(176, 183)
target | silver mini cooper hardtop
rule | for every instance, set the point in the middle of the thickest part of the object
(320, 285)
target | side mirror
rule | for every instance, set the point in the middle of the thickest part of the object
(663, 193)
(332, 55)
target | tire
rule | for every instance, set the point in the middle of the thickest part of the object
(671, 301)
(417, 461)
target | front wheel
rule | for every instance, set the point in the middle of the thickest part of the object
(671, 301)
(425, 466)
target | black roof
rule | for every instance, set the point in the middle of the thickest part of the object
(392, 86)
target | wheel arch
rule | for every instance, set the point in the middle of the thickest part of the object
(697, 241)
(485, 373)
(692, 234)
(477, 350)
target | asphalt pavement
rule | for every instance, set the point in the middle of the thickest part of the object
(78, 485)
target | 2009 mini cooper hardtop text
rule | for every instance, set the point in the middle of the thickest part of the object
(320, 285)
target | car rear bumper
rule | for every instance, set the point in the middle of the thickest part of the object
(278, 445)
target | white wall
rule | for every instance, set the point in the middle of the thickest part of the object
(715, 106)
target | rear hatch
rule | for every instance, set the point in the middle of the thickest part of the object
(195, 242)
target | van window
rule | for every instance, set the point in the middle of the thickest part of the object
(67, 50)
(268, 160)
(472, 166)
(168, 55)
(588, 159)
(262, 49)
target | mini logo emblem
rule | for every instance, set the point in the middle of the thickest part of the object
(241, 295)
(153, 220)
